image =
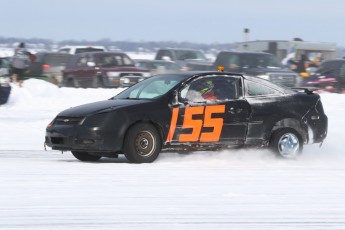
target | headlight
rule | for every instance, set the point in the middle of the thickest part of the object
(95, 120)
(146, 74)
(264, 76)
(113, 74)
(124, 80)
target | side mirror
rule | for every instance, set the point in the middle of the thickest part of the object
(91, 64)
(175, 101)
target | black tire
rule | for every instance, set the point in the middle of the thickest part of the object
(84, 156)
(70, 82)
(286, 143)
(98, 82)
(142, 143)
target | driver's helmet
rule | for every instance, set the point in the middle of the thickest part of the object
(204, 86)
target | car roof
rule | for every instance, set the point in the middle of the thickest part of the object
(153, 61)
(189, 74)
(188, 49)
(244, 52)
(334, 60)
(98, 53)
(53, 53)
(85, 46)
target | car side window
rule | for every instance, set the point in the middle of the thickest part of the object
(229, 61)
(66, 50)
(342, 70)
(163, 54)
(127, 60)
(72, 62)
(211, 89)
(141, 65)
(256, 89)
(82, 62)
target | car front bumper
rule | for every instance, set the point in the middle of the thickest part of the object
(79, 138)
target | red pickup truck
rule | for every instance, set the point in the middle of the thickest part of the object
(102, 69)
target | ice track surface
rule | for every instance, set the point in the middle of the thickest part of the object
(237, 189)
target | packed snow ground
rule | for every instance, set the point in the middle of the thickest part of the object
(234, 189)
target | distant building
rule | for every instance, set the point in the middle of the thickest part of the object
(282, 49)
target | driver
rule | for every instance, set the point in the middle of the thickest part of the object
(206, 90)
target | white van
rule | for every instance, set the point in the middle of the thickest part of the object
(80, 49)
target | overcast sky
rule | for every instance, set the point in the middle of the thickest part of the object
(203, 21)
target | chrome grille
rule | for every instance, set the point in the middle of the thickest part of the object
(130, 74)
(68, 120)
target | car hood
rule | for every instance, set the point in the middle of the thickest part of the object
(100, 106)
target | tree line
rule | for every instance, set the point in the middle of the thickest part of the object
(126, 46)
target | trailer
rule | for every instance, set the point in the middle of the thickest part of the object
(292, 49)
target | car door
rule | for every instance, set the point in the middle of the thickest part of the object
(211, 109)
(84, 73)
(75, 67)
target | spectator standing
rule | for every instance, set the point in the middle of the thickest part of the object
(19, 63)
(301, 65)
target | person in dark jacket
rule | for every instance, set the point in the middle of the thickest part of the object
(20, 62)
(301, 65)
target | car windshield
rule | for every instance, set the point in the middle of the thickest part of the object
(111, 60)
(249, 60)
(189, 54)
(165, 65)
(260, 61)
(151, 88)
(88, 49)
(56, 59)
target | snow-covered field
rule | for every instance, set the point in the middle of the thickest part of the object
(237, 189)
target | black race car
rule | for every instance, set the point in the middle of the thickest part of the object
(193, 111)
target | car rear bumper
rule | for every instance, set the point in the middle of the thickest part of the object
(318, 129)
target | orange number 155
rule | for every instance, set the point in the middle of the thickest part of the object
(197, 124)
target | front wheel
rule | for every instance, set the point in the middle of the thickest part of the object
(287, 143)
(98, 82)
(84, 156)
(142, 143)
(70, 82)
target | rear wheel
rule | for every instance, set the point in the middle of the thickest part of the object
(98, 82)
(287, 143)
(85, 156)
(142, 143)
(70, 82)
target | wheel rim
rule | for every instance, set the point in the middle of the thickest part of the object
(145, 144)
(288, 145)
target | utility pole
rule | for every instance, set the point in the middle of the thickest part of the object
(246, 38)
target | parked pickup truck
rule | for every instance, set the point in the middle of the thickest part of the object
(102, 69)
(259, 64)
(187, 59)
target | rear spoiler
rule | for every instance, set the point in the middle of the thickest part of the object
(307, 90)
